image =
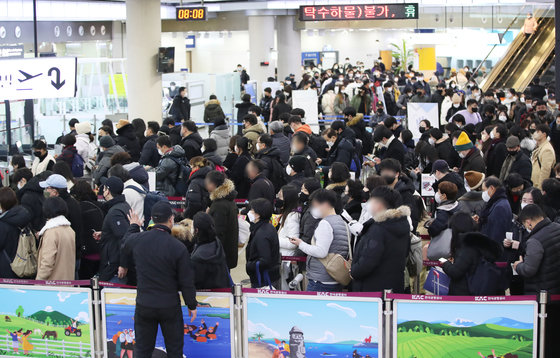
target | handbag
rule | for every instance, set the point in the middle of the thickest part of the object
(440, 245)
(337, 266)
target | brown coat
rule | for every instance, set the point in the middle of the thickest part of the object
(543, 160)
(530, 25)
(57, 251)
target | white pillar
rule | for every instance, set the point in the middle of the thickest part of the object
(261, 42)
(289, 47)
(143, 36)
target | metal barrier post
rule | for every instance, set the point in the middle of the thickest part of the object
(238, 320)
(543, 300)
(98, 332)
(388, 315)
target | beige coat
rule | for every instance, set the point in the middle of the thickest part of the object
(530, 25)
(57, 251)
(252, 134)
(543, 159)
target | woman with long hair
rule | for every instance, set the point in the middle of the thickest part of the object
(287, 205)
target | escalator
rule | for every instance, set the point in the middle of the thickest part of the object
(525, 59)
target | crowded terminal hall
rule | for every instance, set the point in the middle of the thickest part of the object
(175, 158)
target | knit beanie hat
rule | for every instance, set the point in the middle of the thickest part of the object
(106, 141)
(463, 142)
(298, 163)
(474, 179)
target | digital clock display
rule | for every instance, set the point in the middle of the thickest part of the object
(191, 14)
(406, 11)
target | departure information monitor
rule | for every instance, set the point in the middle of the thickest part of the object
(359, 12)
(191, 13)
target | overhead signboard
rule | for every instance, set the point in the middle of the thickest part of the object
(49, 77)
(11, 51)
(406, 11)
(191, 13)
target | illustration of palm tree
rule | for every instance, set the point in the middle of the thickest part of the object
(259, 336)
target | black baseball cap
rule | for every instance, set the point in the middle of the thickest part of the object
(161, 212)
(114, 184)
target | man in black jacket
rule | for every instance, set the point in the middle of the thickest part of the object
(30, 195)
(172, 130)
(181, 107)
(266, 100)
(192, 141)
(270, 155)
(394, 149)
(516, 161)
(113, 230)
(150, 155)
(261, 187)
(163, 267)
(441, 171)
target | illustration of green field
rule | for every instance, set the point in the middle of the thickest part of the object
(418, 339)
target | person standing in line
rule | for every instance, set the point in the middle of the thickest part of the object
(163, 267)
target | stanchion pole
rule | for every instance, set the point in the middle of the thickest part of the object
(98, 332)
(238, 320)
(543, 300)
(388, 314)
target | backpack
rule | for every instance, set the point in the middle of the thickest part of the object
(276, 175)
(415, 260)
(77, 166)
(182, 176)
(24, 264)
(485, 280)
(150, 199)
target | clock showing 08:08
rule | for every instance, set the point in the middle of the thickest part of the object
(191, 14)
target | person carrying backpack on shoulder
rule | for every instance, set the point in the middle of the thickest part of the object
(13, 218)
(271, 157)
(170, 178)
(70, 156)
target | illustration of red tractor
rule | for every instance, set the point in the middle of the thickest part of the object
(72, 330)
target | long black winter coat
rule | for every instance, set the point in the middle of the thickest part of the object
(191, 145)
(262, 188)
(380, 253)
(197, 196)
(209, 264)
(237, 174)
(181, 108)
(11, 223)
(263, 247)
(467, 256)
(126, 138)
(342, 151)
(495, 157)
(75, 217)
(31, 197)
(115, 226)
(224, 212)
(150, 155)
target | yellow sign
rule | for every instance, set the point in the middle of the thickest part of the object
(118, 82)
(426, 58)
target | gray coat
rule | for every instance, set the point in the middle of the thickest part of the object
(221, 135)
(167, 170)
(105, 163)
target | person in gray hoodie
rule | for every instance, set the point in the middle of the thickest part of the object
(168, 169)
(221, 134)
(109, 148)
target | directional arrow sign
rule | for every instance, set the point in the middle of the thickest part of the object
(49, 77)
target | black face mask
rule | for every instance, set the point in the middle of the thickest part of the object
(303, 197)
(37, 154)
(389, 179)
(541, 112)
(422, 129)
(278, 203)
(419, 93)
(380, 110)
(474, 109)
(532, 131)
(513, 153)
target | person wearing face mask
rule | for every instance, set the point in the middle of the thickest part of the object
(551, 104)
(424, 128)
(308, 223)
(389, 98)
(442, 172)
(362, 101)
(543, 157)
(530, 25)
(471, 158)
(261, 186)
(43, 160)
(382, 248)
(287, 205)
(496, 217)
(421, 96)
(338, 176)
(515, 185)
(471, 113)
(297, 169)
(498, 150)
(379, 116)
(543, 114)
(252, 130)
(331, 237)
(109, 148)
(471, 202)
(12, 218)
(300, 146)
(263, 248)
(168, 171)
(115, 226)
(271, 156)
(392, 147)
(30, 195)
(456, 106)
(444, 148)
(340, 150)
(439, 95)
(516, 161)
(402, 102)
(149, 155)
(447, 205)
(237, 171)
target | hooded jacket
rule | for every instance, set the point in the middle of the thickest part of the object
(237, 174)
(224, 212)
(221, 134)
(444, 212)
(11, 223)
(115, 226)
(471, 247)
(181, 108)
(405, 187)
(212, 111)
(191, 145)
(31, 197)
(57, 251)
(167, 171)
(358, 125)
(471, 203)
(126, 138)
(197, 196)
(381, 251)
(214, 159)
(252, 134)
(209, 264)
(105, 163)
(268, 156)
(138, 174)
(150, 155)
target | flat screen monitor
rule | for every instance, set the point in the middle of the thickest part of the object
(166, 59)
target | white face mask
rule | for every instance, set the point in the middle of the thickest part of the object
(20, 185)
(492, 136)
(160, 152)
(258, 146)
(288, 170)
(522, 100)
(502, 118)
(330, 144)
(236, 149)
(438, 198)
(456, 105)
(251, 216)
(294, 149)
(523, 205)
(431, 141)
(467, 187)
(369, 209)
(203, 149)
(485, 196)
(462, 156)
(316, 213)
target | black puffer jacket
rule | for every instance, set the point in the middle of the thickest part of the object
(191, 145)
(237, 174)
(224, 212)
(380, 253)
(473, 161)
(471, 248)
(454, 178)
(542, 259)
(150, 155)
(92, 219)
(115, 226)
(75, 217)
(268, 156)
(11, 223)
(342, 151)
(209, 264)
(126, 138)
(264, 248)
(197, 196)
(31, 197)
(405, 187)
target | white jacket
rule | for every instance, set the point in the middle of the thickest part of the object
(134, 198)
(83, 148)
(288, 230)
(445, 105)
(327, 103)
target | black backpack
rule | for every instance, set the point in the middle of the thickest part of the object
(486, 279)
(183, 172)
(150, 199)
(276, 174)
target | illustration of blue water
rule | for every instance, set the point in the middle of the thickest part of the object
(120, 318)
(320, 350)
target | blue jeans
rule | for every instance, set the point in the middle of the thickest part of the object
(316, 286)
(120, 281)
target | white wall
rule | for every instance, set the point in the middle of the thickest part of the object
(215, 54)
